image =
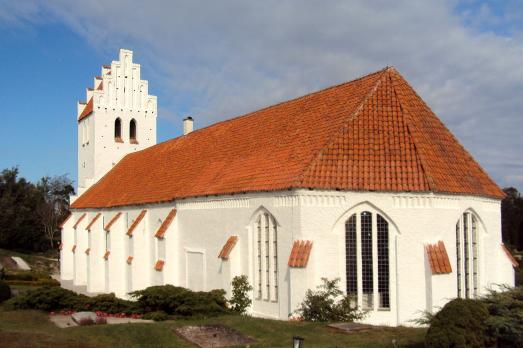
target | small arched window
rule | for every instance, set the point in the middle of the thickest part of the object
(118, 130)
(132, 132)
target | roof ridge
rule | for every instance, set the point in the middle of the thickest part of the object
(350, 117)
(250, 113)
(408, 121)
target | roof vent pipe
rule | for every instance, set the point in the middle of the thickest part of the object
(187, 125)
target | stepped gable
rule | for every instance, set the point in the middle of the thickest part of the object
(371, 134)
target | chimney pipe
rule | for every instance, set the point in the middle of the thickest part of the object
(187, 125)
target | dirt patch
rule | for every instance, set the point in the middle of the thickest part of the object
(207, 336)
(352, 327)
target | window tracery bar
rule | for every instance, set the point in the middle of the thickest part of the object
(383, 262)
(366, 260)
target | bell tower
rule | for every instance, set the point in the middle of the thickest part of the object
(118, 118)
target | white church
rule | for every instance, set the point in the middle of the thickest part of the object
(360, 181)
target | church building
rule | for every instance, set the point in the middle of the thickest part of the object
(360, 181)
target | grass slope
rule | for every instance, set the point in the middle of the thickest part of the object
(33, 328)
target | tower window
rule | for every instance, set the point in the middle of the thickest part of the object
(132, 132)
(118, 130)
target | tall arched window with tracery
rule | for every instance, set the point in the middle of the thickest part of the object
(367, 244)
(467, 258)
(266, 257)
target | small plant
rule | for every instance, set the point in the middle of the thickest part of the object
(460, 323)
(240, 299)
(328, 303)
(5, 291)
(156, 316)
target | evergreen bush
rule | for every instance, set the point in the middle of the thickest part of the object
(460, 324)
(5, 291)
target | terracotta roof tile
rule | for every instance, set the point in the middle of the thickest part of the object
(159, 265)
(165, 224)
(112, 221)
(88, 228)
(438, 258)
(79, 220)
(136, 222)
(88, 109)
(65, 221)
(227, 248)
(374, 133)
(300, 253)
(514, 262)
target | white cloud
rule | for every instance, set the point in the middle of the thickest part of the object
(218, 59)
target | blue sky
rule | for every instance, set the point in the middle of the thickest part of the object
(217, 61)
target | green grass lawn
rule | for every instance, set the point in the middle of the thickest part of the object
(33, 329)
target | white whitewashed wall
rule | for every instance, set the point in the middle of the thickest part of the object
(202, 226)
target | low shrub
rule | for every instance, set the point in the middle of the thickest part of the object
(328, 303)
(48, 298)
(156, 316)
(27, 276)
(5, 291)
(40, 282)
(505, 323)
(108, 303)
(180, 301)
(460, 323)
(240, 299)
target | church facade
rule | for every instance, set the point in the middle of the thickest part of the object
(360, 181)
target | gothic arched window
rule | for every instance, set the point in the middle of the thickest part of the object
(132, 131)
(118, 130)
(467, 255)
(372, 250)
(266, 257)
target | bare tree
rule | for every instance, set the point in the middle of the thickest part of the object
(55, 203)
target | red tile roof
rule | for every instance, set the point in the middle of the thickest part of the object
(514, 262)
(227, 248)
(88, 109)
(301, 250)
(438, 258)
(136, 222)
(374, 133)
(159, 265)
(65, 221)
(79, 220)
(165, 224)
(88, 228)
(112, 221)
